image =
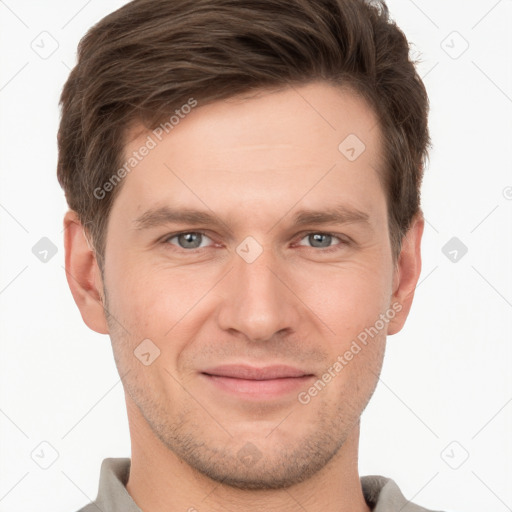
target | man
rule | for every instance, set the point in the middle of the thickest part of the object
(244, 189)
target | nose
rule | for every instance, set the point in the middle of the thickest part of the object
(257, 299)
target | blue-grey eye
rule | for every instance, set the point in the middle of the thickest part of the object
(320, 240)
(189, 240)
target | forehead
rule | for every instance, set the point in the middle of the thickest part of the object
(317, 112)
(297, 144)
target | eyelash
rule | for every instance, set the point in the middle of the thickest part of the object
(303, 235)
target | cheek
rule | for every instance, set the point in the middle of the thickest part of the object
(347, 299)
(151, 300)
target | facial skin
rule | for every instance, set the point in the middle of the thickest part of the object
(252, 163)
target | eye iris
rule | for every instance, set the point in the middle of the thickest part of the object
(319, 237)
(191, 240)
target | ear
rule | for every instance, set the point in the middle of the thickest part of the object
(83, 274)
(407, 273)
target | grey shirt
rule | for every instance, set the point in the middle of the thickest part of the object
(381, 494)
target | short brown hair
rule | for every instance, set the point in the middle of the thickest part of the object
(149, 57)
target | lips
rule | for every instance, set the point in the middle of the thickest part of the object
(252, 383)
(253, 373)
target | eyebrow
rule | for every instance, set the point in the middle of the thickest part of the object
(160, 216)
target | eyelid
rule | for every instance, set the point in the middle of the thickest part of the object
(339, 236)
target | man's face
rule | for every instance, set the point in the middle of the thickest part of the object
(254, 289)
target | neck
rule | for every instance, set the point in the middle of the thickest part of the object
(160, 481)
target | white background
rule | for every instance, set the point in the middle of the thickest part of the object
(446, 376)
